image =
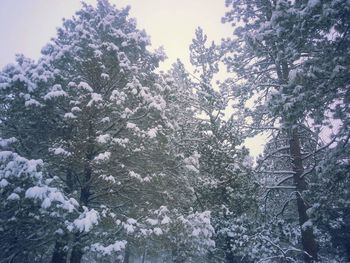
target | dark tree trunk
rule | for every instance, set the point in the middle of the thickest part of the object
(85, 193)
(127, 254)
(144, 256)
(77, 254)
(85, 190)
(307, 235)
(229, 256)
(59, 253)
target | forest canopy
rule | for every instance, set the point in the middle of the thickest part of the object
(106, 158)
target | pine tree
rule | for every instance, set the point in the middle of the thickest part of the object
(30, 195)
(103, 124)
(291, 59)
(225, 185)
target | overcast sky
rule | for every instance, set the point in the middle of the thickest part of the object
(27, 25)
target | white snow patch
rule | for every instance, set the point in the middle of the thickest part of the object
(72, 84)
(109, 178)
(95, 98)
(192, 162)
(131, 221)
(50, 194)
(76, 109)
(152, 133)
(103, 156)
(105, 76)
(130, 125)
(85, 86)
(313, 3)
(157, 231)
(13, 197)
(307, 224)
(56, 91)
(6, 142)
(87, 220)
(166, 220)
(105, 119)
(69, 115)
(36, 192)
(60, 151)
(121, 141)
(130, 225)
(152, 222)
(135, 175)
(32, 102)
(103, 138)
(108, 250)
(98, 53)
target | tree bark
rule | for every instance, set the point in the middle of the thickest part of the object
(77, 254)
(59, 253)
(307, 235)
(127, 254)
(85, 193)
(230, 258)
(144, 256)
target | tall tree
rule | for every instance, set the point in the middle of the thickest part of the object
(290, 59)
(30, 194)
(103, 123)
(225, 184)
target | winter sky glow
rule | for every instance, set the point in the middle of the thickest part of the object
(27, 25)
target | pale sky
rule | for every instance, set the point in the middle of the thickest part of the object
(27, 25)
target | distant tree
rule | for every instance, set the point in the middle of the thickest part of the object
(224, 185)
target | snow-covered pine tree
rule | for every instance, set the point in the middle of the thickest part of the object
(291, 64)
(224, 185)
(110, 113)
(98, 116)
(33, 204)
(179, 231)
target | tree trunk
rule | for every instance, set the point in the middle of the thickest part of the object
(307, 235)
(127, 254)
(59, 253)
(144, 256)
(77, 254)
(229, 256)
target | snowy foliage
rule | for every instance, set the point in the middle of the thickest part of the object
(103, 159)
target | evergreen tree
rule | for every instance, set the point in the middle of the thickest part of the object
(225, 184)
(103, 124)
(291, 59)
(31, 196)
